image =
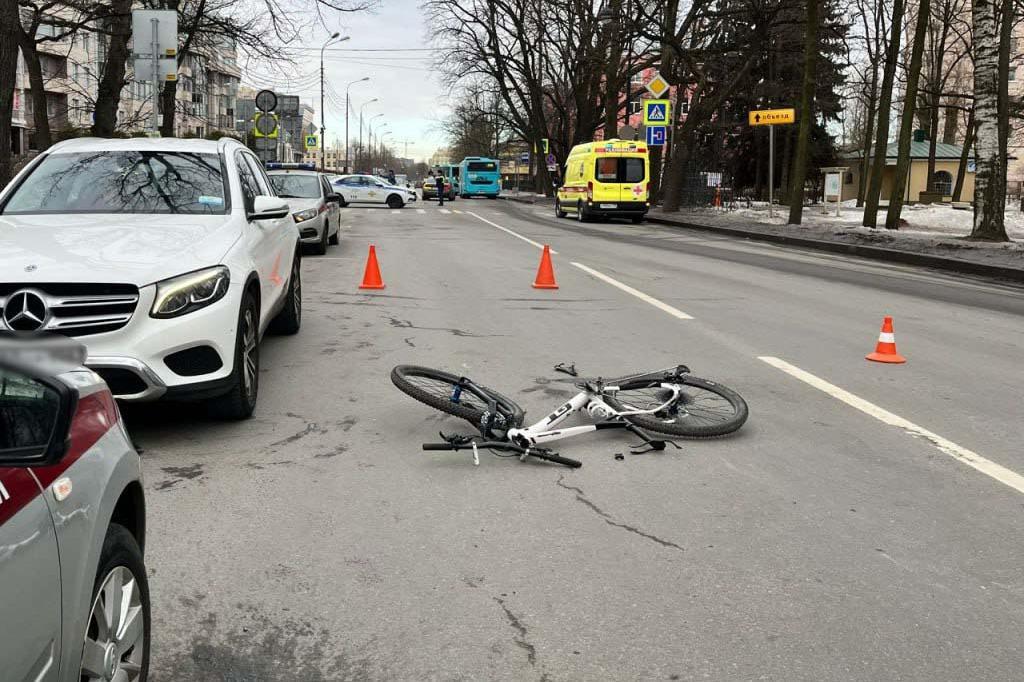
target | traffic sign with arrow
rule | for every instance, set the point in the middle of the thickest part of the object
(771, 117)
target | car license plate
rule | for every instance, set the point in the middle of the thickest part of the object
(608, 206)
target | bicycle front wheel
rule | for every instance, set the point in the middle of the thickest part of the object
(447, 393)
(704, 408)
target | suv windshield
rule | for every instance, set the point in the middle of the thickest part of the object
(620, 169)
(296, 186)
(122, 182)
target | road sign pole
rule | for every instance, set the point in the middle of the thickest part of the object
(156, 72)
(771, 170)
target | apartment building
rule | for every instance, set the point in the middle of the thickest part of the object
(208, 82)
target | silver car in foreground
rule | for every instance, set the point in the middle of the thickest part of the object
(315, 206)
(74, 599)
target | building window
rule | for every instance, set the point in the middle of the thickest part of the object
(942, 183)
(1013, 73)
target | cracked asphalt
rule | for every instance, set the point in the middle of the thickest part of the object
(318, 542)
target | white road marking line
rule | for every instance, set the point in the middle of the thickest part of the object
(514, 234)
(957, 452)
(444, 210)
(665, 307)
(455, 210)
(370, 210)
(396, 210)
(421, 210)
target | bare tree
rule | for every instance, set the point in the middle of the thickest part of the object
(992, 22)
(884, 106)
(903, 159)
(800, 161)
(10, 29)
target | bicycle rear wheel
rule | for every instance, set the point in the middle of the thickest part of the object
(448, 393)
(704, 408)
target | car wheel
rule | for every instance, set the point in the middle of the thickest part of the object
(289, 320)
(239, 401)
(117, 633)
(320, 248)
(559, 213)
(395, 201)
(581, 214)
(637, 219)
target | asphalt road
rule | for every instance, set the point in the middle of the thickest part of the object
(826, 540)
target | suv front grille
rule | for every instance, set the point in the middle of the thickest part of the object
(70, 309)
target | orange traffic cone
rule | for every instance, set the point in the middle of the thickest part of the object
(371, 277)
(545, 273)
(885, 350)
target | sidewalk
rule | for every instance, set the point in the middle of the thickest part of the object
(932, 237)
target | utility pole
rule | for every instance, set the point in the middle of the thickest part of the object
(333, 38)
(347, 106)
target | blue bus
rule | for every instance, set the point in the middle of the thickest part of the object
(479, 176)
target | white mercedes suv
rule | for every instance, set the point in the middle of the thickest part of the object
(167, 258)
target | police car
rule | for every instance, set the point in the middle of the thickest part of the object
(315, 206)
(369, 189)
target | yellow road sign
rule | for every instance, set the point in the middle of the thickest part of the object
(657, 112)
(265, 125)
(657, 86)
(771, 117)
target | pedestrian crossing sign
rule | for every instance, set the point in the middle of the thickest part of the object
(312, 142)
(657, 111)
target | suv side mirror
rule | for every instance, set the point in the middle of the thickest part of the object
(334, 197)
(35, 417)
(268, 208)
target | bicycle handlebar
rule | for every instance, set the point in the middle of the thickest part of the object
(501, 445)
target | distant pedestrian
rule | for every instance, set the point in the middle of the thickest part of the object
(440, 189)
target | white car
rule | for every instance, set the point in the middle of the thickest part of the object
(369, 189)
(314, 204)
(168, 258)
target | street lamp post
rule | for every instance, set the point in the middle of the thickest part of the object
(373, 153)
(361, 80)
(361, 124)
(334, 38)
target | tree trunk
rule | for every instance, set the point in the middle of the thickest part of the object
(869, 128)
(989, 89)
(903, 160)
(950, 124)
(168, 98)
(40, 110)
(961, 171)
(884, 107)
(803, 143)
(108, 95)
(10, 27)
(787, 155)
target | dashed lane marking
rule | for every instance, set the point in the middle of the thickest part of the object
(421, 210)
(944, 445)
(444, 210)
(664, 307)
(514, 234)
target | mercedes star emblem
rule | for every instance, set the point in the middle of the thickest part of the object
(25, 312)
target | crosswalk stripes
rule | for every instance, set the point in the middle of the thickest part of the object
(421, 210)
(455, 210)
(444, 210)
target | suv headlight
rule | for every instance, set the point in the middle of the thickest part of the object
(189, 292)
(305, 215)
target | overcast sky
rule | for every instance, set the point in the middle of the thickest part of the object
(410, 95)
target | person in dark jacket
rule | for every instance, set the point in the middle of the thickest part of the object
(391, 176)
(440, 189)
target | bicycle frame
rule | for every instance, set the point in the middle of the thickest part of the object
(546, 431)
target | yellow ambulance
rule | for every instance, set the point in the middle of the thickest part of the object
(607, 178)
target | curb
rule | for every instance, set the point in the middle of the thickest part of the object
(872, 252)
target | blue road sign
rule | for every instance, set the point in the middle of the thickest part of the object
(656, 136)
(524, 157)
